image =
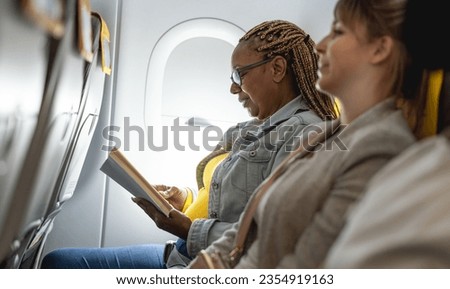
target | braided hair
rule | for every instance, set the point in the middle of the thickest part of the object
(279, 37)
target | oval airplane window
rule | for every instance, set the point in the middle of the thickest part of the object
(188, 97)
(188, 74)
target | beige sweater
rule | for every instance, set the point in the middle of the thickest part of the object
(303, 213)
(403, 221)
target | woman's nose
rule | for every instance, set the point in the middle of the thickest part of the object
(320, 46)
(234, 88)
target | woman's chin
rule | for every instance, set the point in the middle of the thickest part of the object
(252, 112)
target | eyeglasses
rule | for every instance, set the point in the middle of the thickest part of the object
(236, 77)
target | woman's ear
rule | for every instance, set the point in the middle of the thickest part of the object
(383, 47)
(279, 68)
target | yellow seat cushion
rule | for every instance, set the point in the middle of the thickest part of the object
(199, 207)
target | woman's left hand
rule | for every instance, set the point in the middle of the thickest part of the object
(177, 223)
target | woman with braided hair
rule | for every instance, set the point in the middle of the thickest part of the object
(299, 211)
(275, 41)
(274, 71)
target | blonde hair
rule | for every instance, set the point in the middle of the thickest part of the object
(278, 37)
(387, 17)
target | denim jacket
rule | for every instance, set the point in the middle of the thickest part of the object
(256, 149)
(255, 152)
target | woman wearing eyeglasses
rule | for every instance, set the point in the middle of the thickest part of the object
(294, 218)
(274, 71)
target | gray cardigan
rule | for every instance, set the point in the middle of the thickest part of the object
(304, 211)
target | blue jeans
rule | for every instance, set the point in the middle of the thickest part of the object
(129, 257)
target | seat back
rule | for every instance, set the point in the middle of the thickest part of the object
(76, 154)
(90, 108)
(54, 130)
(23, 68)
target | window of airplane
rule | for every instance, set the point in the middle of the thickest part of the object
(188, 102)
